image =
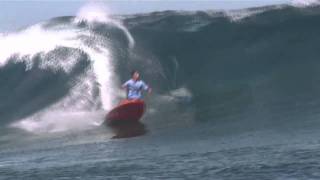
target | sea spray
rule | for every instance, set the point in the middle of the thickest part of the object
(91, 93)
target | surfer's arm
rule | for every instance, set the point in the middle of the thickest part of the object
(125, 85)
(146, 87)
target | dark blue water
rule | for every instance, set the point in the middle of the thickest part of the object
(233, 98)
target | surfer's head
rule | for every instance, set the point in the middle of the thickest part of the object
(135, 75)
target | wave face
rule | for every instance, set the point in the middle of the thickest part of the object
(253, 68)
(259, 70)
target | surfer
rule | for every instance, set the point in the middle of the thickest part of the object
(124, 118)
(134, 86)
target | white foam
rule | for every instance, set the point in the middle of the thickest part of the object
(181, 94)
(303, 3)
(81, 98)
(79, 109)
(241, 14)
(97, 12)
(238, 15)
(57, 121)
(94, 12)
(34, 40)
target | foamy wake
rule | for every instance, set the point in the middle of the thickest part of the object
(78, 109)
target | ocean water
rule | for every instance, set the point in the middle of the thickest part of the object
(235, 95)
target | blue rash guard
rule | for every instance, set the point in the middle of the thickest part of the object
(134, 88)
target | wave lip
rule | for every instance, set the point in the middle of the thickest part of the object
(304, 3)
(98, 13)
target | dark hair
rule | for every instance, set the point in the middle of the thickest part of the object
(134, 71)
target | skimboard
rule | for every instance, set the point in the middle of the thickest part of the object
(128, 111)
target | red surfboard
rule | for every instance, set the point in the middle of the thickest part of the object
(128, 111)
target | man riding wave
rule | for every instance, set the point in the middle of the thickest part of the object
(135, 86)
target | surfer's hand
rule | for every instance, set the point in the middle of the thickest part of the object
(149, 90)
